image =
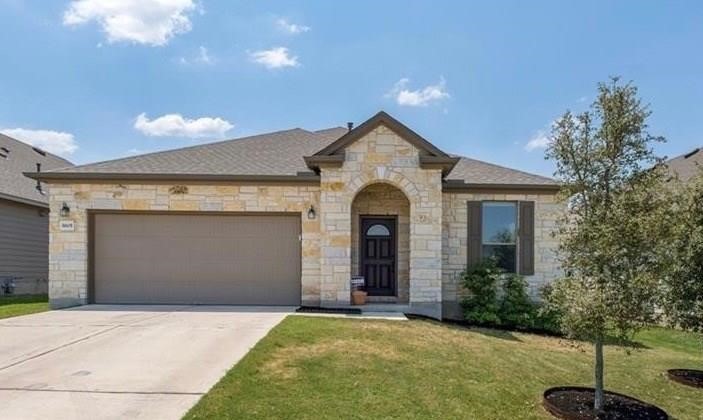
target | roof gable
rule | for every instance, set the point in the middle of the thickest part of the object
(369, 125)
(333, 154)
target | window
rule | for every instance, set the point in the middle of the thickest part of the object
(378, 230)
(499, 233)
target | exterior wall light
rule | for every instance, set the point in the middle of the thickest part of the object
(311, 213)
(65, 210)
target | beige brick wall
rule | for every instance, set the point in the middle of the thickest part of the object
(454, 241)
(385, 200)
(382, 157)
(68, 251)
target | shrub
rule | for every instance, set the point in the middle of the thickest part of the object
(481, 280)
(547, 316)
(498, 298)
(516, 309)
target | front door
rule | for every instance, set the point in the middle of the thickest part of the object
(378, 254)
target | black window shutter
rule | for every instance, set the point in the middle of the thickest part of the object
(473, 246)
(526, 246)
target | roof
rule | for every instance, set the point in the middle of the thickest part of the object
(687, 165)
(17, 157)
(280, 156)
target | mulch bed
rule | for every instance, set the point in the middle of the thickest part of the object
(576, 403)
(690, 377)
(322, 310)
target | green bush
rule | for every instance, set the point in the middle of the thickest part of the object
(516, 309)
(547, 316)
(481, 281)
(500, 299)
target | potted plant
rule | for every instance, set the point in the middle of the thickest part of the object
(358, 294)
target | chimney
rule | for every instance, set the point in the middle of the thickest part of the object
(350, 125)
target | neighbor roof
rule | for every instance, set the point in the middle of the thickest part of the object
(17, 157)
(277, 156)
(687, 165)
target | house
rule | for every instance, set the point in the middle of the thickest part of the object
(288, 217)
(24, 221)
(686, 166)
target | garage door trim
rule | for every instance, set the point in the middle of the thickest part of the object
(91, 213)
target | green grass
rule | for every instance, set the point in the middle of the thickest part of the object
(22, 305)
(322, 368)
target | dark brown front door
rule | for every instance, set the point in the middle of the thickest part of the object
(378, 255)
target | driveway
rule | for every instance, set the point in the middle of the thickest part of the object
(110, 362)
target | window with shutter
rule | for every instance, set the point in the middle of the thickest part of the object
(503, 230)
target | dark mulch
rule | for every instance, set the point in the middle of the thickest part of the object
(690, 377)
(322, 310)
(576, 403)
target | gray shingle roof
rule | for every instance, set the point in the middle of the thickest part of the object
(279, 154)
(478, 172)
(687, 165)
(17, 157)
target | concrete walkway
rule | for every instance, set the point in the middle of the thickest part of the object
(122, 362)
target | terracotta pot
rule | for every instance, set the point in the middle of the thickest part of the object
(358, 297)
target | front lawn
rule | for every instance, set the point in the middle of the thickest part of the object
(317, 368)
(22, 305)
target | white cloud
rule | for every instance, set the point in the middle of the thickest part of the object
(174, 125)
(203, 57)
(539, 141)
(420, 97)
(275, 58)
(150, 22)
(56, 142)
(292, 28)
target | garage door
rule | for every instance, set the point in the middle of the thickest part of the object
(196, 258)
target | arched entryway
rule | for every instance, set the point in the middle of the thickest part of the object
(380, 246)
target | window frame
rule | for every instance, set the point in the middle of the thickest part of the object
(516, 243)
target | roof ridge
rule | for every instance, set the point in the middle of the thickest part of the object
(178, 149)
(505, 167)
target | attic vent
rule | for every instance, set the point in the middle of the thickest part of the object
(2, 155)
(5, 150)
(691, 153)
(40, 151)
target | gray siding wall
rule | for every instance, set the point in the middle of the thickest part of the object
(24, 246)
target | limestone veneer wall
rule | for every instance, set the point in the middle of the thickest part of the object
(68, 251)
(454, 242)
(382, 157)
(385, 200)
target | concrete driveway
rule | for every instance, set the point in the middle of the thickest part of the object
(110, 362)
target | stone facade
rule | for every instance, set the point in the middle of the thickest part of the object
(385, 200)
(381, 175)
(68, 251)
(454, 242)
(382, 157)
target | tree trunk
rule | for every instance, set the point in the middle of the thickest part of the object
(599, 400)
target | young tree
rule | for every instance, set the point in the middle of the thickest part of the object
(611, 235)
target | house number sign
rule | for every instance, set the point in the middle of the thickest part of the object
(67, 226)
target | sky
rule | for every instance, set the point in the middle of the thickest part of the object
(100, 79)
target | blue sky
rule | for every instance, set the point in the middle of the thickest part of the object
(95, 79)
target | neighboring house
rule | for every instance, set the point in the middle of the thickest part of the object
(286, 218)
(24, 220)
(687, 165)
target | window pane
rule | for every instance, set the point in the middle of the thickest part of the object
(503, 254)
(498, 223)
(378, 230)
